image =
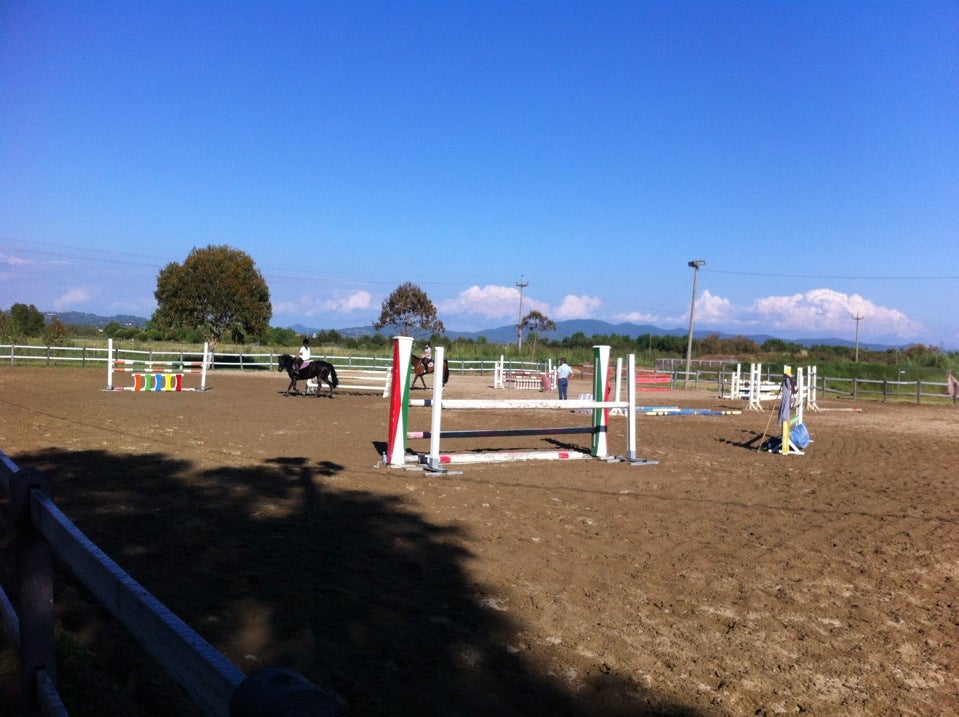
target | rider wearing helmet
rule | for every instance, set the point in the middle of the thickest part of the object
(303, 356)
(427, 357)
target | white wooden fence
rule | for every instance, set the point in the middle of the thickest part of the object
(711, 375)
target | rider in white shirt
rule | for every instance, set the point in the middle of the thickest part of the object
(303, 356)
(427, 357)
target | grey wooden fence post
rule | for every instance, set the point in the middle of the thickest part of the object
(34, 587)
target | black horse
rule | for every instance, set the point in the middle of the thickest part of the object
(420, 370)
(322, 371)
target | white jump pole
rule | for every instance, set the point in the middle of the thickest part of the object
(436, 417)
(631, 411)
(735, 382)
(755, 379)
(801, 389)
(206, 356)
(399, 401)
(811, 379)
(618, 384)
(110, 364)
(498, 373)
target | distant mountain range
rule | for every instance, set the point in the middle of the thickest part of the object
(500, 335)
(81, 319)
(593, 327)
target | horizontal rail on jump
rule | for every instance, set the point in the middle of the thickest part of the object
(647, 411)
(156, 375)
(470, 403)
(159, 370)
(507, 432)
(154, 390)
(139, 362)
(507, 457)
(366, 380)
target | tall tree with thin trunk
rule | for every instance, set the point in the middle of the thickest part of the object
(534, 322)
(409, 307)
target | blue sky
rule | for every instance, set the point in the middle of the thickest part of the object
(807, 151)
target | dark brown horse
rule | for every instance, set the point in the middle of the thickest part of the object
(322, 371)
(420, 370)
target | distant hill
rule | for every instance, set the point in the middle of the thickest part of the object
(79, 318)
(593, 327)
(499, 335)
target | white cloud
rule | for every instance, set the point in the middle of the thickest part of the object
(714, 309)
(310, 306)
(636, 317)
(819, 312)
(12, 260)
(491, 302)
(72, 298)
(576, 307)
(357, 301)
(502, 302)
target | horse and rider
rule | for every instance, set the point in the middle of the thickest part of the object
(424, 364)
(303, 367)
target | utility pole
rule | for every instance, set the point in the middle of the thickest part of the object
(522, 284)
(695, 264)
(857, 318)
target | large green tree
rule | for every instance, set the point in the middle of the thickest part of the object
(409, 307)
(217, 289)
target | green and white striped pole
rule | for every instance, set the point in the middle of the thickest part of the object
(600, 393)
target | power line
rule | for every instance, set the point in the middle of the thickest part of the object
(78, 253)
(772, 275)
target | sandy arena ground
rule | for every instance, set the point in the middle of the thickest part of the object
(722, 581)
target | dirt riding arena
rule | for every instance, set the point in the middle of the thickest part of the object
(722, 581)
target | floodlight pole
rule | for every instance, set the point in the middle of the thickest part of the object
(695, 264)
(522, 284)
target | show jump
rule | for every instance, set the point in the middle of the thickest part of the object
(436, 460)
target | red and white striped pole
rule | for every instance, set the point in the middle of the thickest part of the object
(399, 401)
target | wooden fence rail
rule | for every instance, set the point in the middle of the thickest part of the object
(213, 683)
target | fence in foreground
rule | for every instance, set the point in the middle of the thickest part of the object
(40, 532)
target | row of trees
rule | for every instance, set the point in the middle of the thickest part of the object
(218, 294)
(27, 320)
(219, 291)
